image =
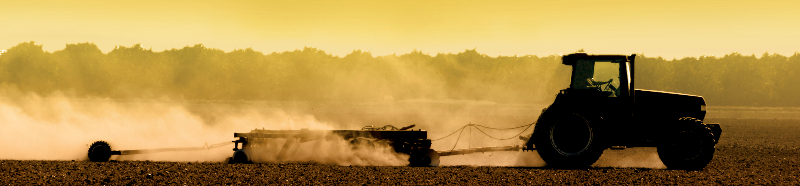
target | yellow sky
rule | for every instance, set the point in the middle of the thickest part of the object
(655, 28)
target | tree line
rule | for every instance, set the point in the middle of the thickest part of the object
(731, 80)
(312, 75)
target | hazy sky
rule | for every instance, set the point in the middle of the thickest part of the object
(675, 28)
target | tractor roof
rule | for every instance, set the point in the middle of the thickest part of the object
(571, 59)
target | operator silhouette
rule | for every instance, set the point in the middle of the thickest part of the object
(599, 84)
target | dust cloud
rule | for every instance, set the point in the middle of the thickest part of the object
(628, 158)
(336, 151)
(61, 127)
(639, 157)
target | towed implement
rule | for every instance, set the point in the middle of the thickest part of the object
(414, 143)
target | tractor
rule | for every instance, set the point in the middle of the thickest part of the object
(601, 109)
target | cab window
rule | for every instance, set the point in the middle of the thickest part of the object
(606, 78)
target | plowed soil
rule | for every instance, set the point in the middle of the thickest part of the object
(750, 152)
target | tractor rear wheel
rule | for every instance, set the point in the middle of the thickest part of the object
(568, 140)
(689, 147)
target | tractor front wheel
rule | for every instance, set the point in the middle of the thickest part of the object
(689, 147)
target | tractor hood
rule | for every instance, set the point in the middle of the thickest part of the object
(668, 105)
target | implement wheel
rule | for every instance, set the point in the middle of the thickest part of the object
(424, 158)
(239, 157)
(100, 151)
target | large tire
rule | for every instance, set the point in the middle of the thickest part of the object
(99, 151)
(689, 147)
(424, 158)
(240, 156)
(568, 140)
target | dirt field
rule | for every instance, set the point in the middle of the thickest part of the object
(751, 151)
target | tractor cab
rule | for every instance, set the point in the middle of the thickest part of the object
(601, 85)
(602, 75)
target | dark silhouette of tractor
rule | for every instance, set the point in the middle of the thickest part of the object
(601, 109)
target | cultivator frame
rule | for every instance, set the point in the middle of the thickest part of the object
(404, 140)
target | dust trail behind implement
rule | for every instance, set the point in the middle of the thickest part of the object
(60, 127)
